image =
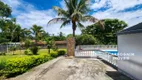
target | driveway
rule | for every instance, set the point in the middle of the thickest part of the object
(63, 68)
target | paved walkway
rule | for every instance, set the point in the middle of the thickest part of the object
(72, 69)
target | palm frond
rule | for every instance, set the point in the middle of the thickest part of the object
(90, 18)
(94, 20)
(83, 6)
(60, 11)
(80, 25)
(65, 23)
(77, 13)
(67, 4)
(74, 3)
(57, 20)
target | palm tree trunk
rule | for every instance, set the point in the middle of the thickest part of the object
(48, 50)
(73, 33)
(74, 28)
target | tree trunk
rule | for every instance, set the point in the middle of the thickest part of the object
(74, 28)
(73, 33)
(48, 50)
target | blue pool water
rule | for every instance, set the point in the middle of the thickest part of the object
(113, 52)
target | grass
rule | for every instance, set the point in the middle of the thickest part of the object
(20, 53)
(45, 51)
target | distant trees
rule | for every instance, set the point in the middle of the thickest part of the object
(107, 35)
(37, 32)
(86, 39)
(60, 37)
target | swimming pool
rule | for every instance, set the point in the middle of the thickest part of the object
(113, 52)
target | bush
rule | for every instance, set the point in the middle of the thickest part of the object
(19, 65)
(27, 52)
(86, 39)
(34, 50)
(2, 53)
(54, 55)
(13, 48)
(55, 48)
(61, 52)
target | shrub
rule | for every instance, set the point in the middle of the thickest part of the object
(61, 52)
(54, 54)
(19, 65)
(27, 52)
(28, 43)
(2, 53)
(55, 48)
(34, 50)
(86, 39)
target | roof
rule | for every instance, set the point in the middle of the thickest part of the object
(134, 29)
(60, 42)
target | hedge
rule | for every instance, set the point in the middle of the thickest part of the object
(18, 65)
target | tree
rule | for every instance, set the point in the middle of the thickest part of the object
(62, 36)
(8, 29)
(37, 32)
(109, 34)
(59, 37)
(86, 39)
(5, 10)
(50, 44)
(24, 34)
(75, 13)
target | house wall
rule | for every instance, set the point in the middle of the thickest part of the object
(131, 43)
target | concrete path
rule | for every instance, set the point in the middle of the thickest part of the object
(71, 69)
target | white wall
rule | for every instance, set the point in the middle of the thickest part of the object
(131, 43)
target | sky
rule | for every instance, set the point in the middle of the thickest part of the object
(29, 12)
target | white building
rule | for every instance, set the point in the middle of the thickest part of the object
(130, 43)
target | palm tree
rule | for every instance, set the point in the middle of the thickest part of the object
(24, 34)
(50, 43)
(37, 32)
(75, 13)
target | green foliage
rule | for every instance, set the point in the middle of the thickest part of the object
(55, 48)
(5, 10)
(28, 43)
(14, 65)
(19, 65)
(86, 39)
(13, 48)
(108, 35)
(27, 52)
(54, 54)
(34, 50)
(2, 53)
(61, 52)
(37, 32)
(59, 37)
(69, 35)
(50, 44)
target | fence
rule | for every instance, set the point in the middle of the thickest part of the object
(99, 47)
(92, 51)
(3, 48)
